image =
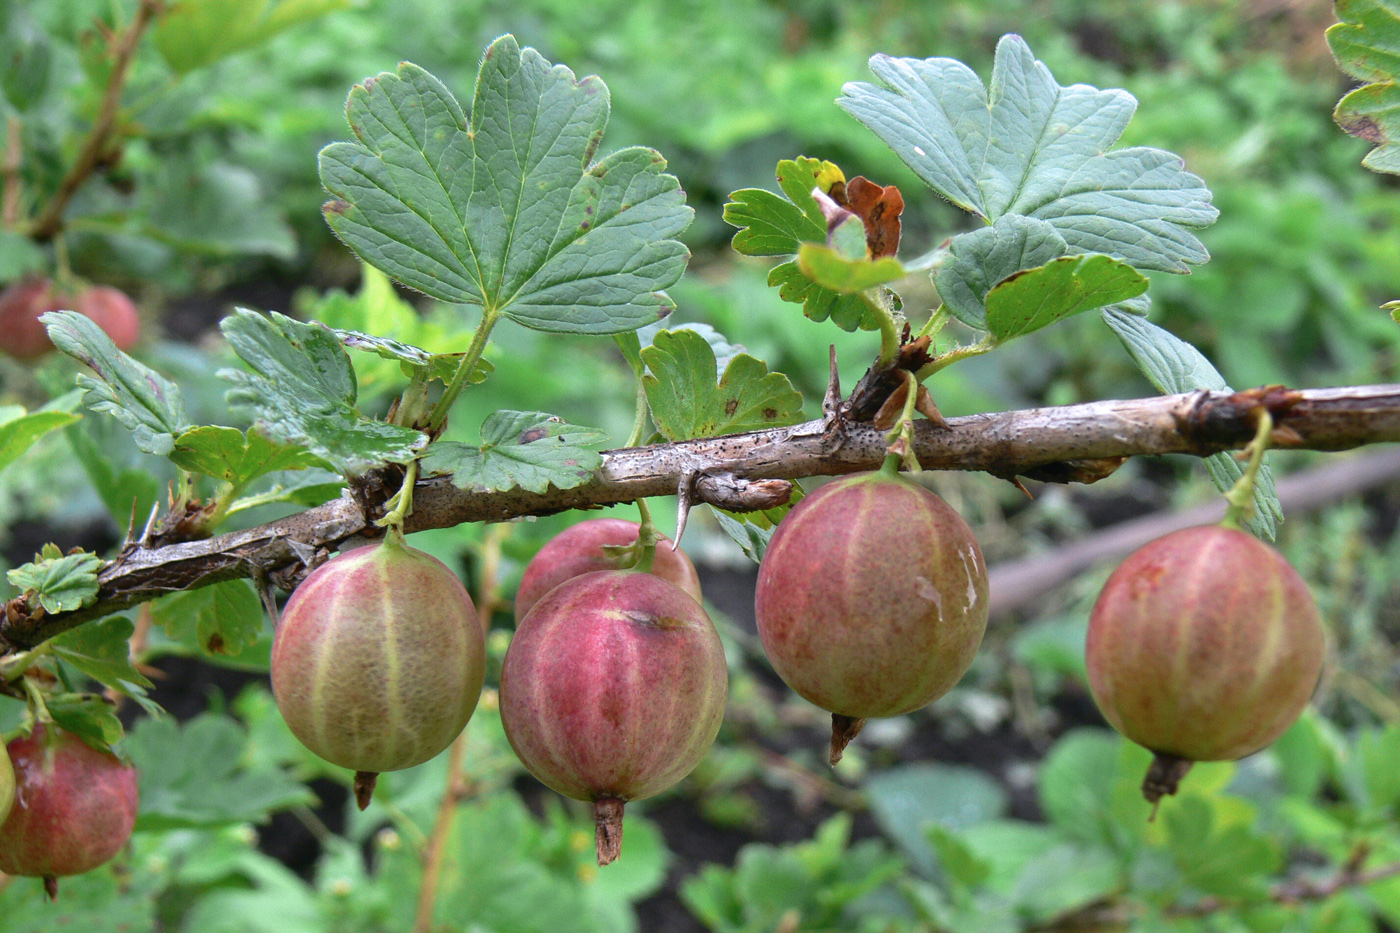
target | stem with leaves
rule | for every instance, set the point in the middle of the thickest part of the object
(50, 221)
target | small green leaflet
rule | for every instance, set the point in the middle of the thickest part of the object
(192, 35)
(1035, 298)
(222, 619)
(772, 225)
(686, 402)
(20, 431)
(508, 212)
(724, 351)
(828, 268)
(752, 539)
(145, 402)
(1366, 45)
(236, 457)
(89, 716)
(61, 582)
(302, 391)
(1173, 365)
(102, 651)
(531, 450)
(1029, 146)
(439, 366)
(194, 775)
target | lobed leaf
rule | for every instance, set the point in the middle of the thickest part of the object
(1034, 298)
(102, 651)
(979, 260)
(1173, 365)
(1029, 146)
(145, 402)
(61, 582)
(20, 431)
(222, 619)
(193, 775)
(508, 211)
(686, 402)
(531, 450)
(89, 716)
(302, 392)
(235, 456)
(1366, 45)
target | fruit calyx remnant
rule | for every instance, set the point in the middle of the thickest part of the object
(1163, 777)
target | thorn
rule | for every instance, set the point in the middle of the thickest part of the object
(923, 404)
(269, 598)
(130, 526)
(150, 525)
(685, 494)
(832, 402)
(1016, 481)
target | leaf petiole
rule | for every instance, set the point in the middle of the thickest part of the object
(944, 360)
(889, 332)
(1241, 495)
(936, 322)
(438, 417)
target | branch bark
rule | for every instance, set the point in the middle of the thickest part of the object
(1074, 443)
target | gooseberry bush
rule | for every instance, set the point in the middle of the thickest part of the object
(342, 435)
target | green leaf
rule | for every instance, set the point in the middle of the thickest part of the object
(752, 539)
(145, 402)
(101, 901)
(25, 59)
(978, 260)
(439, 366)
(302, 391)
(1082, 783)
(192, 35)
(829, 269)
(89, 716)
(771, 225)
(216, 209)
(102, 651)
(1228, 861)
(508, 212)
(686, 402)
(19, 431)
(222, 619)
(1173, 365)
(1029, 146)
(1036, 298)
(527, 449)
(848, 312)
(1046, 890)
(724, 351)
(19, 256)
(963, 866)
(235, 456)
(908, 799)
(1366, 44)
(193, 776)
(61, 582)
(128, 493)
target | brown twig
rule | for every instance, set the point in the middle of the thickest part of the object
(739, 471)
(50, 220)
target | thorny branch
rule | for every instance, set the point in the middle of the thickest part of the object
(1074, 443)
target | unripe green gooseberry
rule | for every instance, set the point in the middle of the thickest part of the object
(379, 660)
